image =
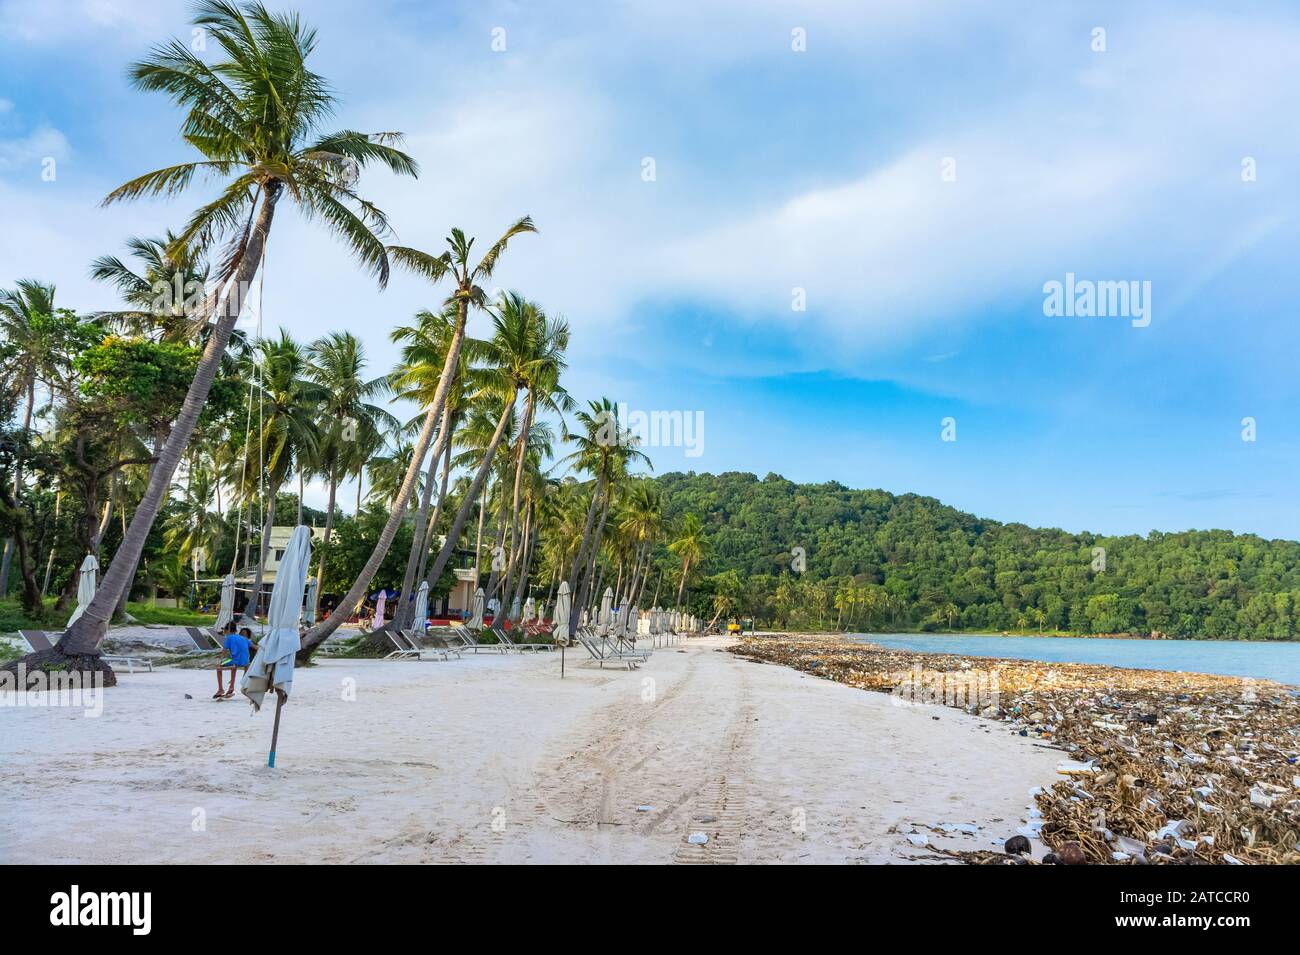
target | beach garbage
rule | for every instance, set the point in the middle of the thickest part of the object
(918, 839)
(1017, 845)
(697, 838)
(1170, 768)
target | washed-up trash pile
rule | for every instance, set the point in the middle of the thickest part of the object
(1155, 768)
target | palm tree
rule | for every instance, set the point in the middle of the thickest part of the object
(604, 450)
(424, 353)
(530, 346)
(192, 527)
(25, 314)
(254, 116)
(288, 414)
(170, 275)
(644, 523)
(456, 263)
(388, 474)
(689, 546)
(337, 364)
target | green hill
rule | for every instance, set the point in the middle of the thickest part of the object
(875, 560)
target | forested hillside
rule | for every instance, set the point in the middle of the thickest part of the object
(876, 561)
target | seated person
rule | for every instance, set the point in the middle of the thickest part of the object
(237, 645)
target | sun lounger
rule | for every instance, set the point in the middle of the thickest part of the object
(404, 650)
(466, 637)
(504, 639)
(431, 644)
(607, 654)
(39, 640)
(203, 640)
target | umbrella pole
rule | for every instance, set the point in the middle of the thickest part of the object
(275, 730)
(561, 661)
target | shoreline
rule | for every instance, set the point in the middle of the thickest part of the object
(1159, 766)
(1017, 635)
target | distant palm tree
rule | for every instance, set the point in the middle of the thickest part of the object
(157, 294)
(254, 116)
(33, 356)
(288, 414)
(689, 546)
(192, 527)
(337, 364)
(604, 450)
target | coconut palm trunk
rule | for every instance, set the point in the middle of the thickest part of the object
(263, 551)
(406, 609)
(322, 631)
(85, 634)
(432, 529)
(325, 538)
(466, 505)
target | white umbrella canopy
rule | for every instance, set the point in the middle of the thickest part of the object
(380, 606)
(86, 585)
(475, 621)
(530, 609)
(560, 620)
(514, 609)
(226, 609)
(422, 605)
(272, 668)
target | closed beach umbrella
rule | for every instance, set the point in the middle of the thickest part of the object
(606, 619)
(272, 668)
(226, 609)
(309, 602)
(560, 619)
(475, 621)
(86, 585)
(530, 609)
(422, 605)
(514, 609)
(380, 606)
(560, 624)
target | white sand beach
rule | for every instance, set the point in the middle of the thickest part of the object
(495, 759)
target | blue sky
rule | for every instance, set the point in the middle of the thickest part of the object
(820, 170)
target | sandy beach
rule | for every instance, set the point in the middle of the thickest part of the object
(495, 759)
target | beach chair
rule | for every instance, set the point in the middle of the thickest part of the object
(204, 641)
(39, 640)
(470, 642)
(431, 644)
(404, 649)
(606, 654)
(504, 639)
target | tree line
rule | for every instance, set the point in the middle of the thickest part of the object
(878, 561)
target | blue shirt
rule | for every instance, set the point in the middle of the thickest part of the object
(237, 647)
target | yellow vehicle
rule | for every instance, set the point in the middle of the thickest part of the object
(733, 627)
